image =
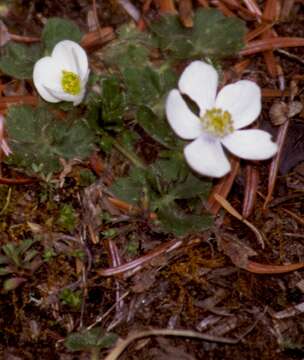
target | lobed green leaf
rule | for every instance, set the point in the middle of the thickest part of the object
(89, 339)
(213, 35)
(57, 29)
(18, 60)
(37, 138)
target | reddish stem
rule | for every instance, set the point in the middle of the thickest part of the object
(274, 166)
(252, 180)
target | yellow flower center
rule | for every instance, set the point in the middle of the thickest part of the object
(217, 122)
(70, 82)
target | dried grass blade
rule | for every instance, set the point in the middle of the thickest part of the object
(226, 205)
(18, 181)
(274, 166)
(6, 101)
(273, 43)
(159, 250)
(273, 93)
(123, 344)
(166, 6)
(252, 180)
(241, 66)
(258, 268)
(185, 13)
(223, 8)
(253, 7)
(223, 187)
(257, 31)
(272, 10)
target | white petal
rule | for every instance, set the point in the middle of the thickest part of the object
(47, 73)
(199, 81)
(251, 144)
(206, 156)
(63, 96)
(182, 120)
(242, 100)
(71, 57)
(78, 98)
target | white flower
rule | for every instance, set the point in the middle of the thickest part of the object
(220, 118)
(63, 75)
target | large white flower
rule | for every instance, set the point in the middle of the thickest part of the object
(63, 75)
(220, 118)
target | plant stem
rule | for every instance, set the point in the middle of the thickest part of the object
(95, 354)
(129, 155)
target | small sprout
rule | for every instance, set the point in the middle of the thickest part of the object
(79, 254)
(71, 298)
(67, 217)
(219, 122)
(18, 262)
(109, 233)
(48, 254)
(63, 75)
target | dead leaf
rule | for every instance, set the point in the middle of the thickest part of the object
(280, 111)
(144, 281)
(293, 148)
(293, 151)
(67, 168)
(5, 36)
(295, 107)
(236, 250)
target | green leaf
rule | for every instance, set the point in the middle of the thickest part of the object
(191, 188)
(130, 49)
(156, 127)
(11, 251)
(25, 245)
(171, 169)
(90, 339)
(106, 143)
(213, 35)
(86, 177)
(174, 220)
(18, 60)
(143, 85)
(128, 138)
(148, 86)
(130, 189)
(37, 138)
(113, 103)
(57, 29)
(30, 255)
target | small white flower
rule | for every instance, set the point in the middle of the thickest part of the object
(63, 75)
(220, 118)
